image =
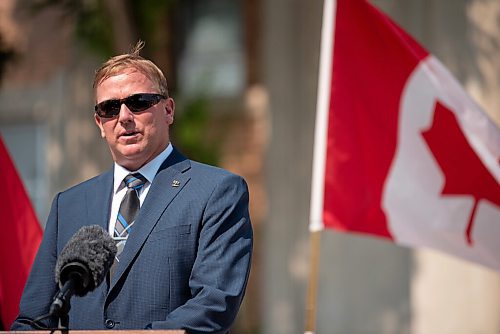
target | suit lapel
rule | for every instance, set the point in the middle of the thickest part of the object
(99, 201)
(168, 182)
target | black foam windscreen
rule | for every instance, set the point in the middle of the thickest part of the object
(90, 248)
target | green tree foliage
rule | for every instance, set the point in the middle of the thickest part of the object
(191, 130)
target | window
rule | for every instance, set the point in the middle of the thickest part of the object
(211, 59)
(26, 145)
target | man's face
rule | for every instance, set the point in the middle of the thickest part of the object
(134, 138)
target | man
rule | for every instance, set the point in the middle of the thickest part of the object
(186, 258)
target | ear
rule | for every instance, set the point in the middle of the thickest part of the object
(98, 122)
(170, 110)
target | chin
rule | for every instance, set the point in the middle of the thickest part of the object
(129, 157)
(130, 150)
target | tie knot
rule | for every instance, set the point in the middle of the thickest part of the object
(135, 181)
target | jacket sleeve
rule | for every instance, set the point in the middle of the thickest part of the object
(220, 272)
(41, 286)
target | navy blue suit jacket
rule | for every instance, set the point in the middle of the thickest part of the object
(185, 264)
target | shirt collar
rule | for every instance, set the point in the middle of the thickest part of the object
(149, 170)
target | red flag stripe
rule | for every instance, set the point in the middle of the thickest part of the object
(369, 47)
(21, 237)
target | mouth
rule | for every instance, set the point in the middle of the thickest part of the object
(129, 135)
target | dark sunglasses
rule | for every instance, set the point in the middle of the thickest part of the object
(135, 103)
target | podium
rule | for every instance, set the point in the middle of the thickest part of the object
(146, 331)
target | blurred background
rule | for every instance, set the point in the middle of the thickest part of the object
(244, 77)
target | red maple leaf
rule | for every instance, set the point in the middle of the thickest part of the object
(464, 171)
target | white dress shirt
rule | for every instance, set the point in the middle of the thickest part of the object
(149, 171)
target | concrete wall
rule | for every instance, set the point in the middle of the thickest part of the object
(291, 41)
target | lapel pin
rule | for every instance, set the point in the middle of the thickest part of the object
(176, 183)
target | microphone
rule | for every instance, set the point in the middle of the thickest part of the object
(82, 266)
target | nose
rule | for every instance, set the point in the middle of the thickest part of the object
(125, 114)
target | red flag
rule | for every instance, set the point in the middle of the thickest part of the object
(401, 151)
(21, 236)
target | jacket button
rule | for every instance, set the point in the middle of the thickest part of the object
(109, 323)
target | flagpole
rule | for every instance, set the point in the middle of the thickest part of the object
(312, 289)
(319, 159)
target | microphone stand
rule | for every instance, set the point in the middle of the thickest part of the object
(61, 305)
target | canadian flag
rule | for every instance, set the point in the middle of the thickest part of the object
(401, 150)
(21, 236)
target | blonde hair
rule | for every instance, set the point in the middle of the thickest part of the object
(132, 60)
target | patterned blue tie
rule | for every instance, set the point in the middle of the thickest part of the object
(129, 208)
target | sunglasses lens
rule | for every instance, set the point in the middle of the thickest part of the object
(109, 108)
(141, 102)
(136, 103)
